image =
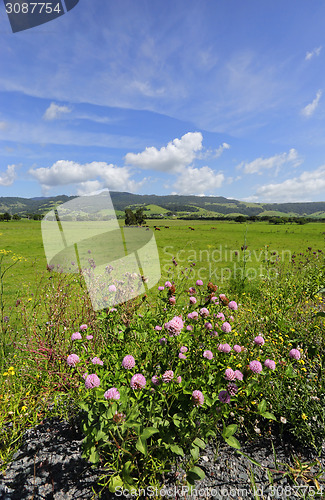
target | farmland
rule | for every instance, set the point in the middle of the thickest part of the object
(233, 337)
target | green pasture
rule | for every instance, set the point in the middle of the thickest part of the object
(214, 246)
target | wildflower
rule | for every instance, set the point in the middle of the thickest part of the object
(192, 290)
(183, 349)
(6, 319)
(97, 361)
(230, 374)
(204, 312)
(73, 359)
(208, 326)
(92, 381)
(197, 396)
(225, 327)
(193, 315)
(304, 416)
(269, 363)
(283, 420)
(255, 366)
(231, 318)
(295, 354)
(128, 362)
(155, 380)
(89, 337)
(76, 336)
(83, 327)
(119, 417)
(224, 397)
(112, 394)
(112, 288)
(221, 316)
(138, 381)
(168, 376)
(199, 282)
(179, 379)
(175, 325)
(181, 356)
(158, 328)
(222, 296)
(189, 328)
(192, 300)
(232, 389)
(239, 375)
(161, 288)
(172, 300)
(259, 340)
(208, 355)
(224, 348)
(168, 284)
(237, 348)
(162, 341)
(233, 305)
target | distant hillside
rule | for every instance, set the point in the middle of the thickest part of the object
(196, 206)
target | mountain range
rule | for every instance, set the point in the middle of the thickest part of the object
(172, 205)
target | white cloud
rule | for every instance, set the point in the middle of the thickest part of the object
(198, 181)
(296, 189)
(88, 177)
(310, 108)
(54, 111)
(7, 178)
(3, 125)
(273, 162)
(213, 153)
(314, 52)
(177, 154)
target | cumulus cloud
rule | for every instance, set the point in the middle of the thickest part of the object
(297, 189)
(310, 108)
(273, 162)
(88, 177)
(314, 52)
(178, 154)
(214, 153)
(7, 178)
(54, 111)
(198, 181)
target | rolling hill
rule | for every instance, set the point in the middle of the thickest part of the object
(179, 206)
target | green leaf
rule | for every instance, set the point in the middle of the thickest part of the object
(320, 314)
(141, 445)
(251, 459)
(199, 442)
(196, 473)
(195, 452)
(229, 431)
(290, 372)
(177, 449)
(268, 415)
(262, 406)
(94, 456)
(233, 442)
(148, 432)
(114, 483)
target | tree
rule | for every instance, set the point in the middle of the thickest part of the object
(130, 218)
(140, 217)
(7, 216)
(16, 217)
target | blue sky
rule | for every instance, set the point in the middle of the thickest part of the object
(221, 97)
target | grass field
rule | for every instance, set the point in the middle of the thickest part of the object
(215, 247)
(235, 342)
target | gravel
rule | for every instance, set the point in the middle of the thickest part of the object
(48, 465)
